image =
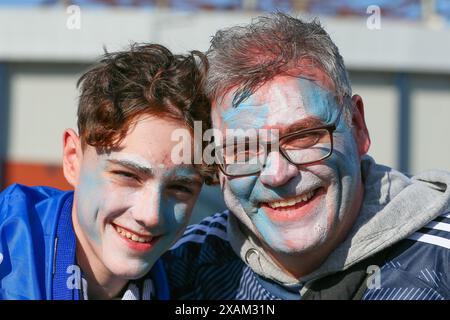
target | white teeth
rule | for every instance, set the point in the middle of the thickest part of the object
(288, 203)
(133, 236)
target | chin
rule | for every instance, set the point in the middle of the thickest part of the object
(296, 248)
(296, 241)
(129, 269)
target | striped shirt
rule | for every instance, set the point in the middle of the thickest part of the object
(202, 265)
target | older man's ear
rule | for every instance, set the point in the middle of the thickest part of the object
(361, 132)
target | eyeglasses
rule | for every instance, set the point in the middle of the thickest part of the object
(299, 148)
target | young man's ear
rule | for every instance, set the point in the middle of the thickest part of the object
(359, 125)
(72, 155)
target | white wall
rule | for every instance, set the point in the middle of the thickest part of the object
(40, 34)
(380, 99)
(41, 53)
(430, 127)
(42, 104)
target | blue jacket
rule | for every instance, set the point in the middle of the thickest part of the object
(28, 231)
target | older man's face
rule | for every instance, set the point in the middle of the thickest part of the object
(294, 209)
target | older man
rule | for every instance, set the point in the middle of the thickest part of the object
(311, 216)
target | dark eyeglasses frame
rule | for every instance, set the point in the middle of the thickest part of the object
(330, 128)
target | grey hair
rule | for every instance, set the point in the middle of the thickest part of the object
(248, 56)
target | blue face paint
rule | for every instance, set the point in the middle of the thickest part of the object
(237, 117)
(177, 213)
(321, 103)
(314, 201)
(91, 187)
(129, 210)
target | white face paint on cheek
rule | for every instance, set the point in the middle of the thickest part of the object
(305, 238)
(129, 157)
(346, 168)
(136, 208)
(98, 198)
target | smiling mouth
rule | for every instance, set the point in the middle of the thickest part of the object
(138, 238)
(292, 202)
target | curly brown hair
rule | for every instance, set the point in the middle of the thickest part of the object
(146, 79)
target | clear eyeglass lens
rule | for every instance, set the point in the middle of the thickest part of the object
(309, 147)
(249, 158)
(244, 158)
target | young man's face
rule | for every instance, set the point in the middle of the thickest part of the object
(133, 203)
(295, 209)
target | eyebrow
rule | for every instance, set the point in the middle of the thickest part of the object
(137, 167)
(147, 171)
(304, 124)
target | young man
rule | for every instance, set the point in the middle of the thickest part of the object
(311, 216)
(130, 200)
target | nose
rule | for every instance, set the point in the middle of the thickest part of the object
(148, 211)
(277, 170)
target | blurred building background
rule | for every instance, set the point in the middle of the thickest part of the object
(399, 64)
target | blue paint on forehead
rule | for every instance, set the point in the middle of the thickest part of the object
(320, 102)
(317, 101)
(246, 115)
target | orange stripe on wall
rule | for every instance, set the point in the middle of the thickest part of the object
(35, 174)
